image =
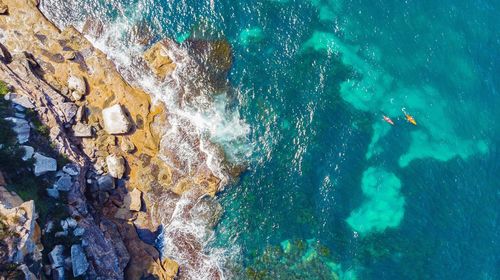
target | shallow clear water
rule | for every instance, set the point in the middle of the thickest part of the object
(331, 189)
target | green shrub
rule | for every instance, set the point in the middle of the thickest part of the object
(4, 88)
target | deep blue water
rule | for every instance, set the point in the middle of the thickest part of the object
(331, 189)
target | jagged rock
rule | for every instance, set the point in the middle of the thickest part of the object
(56, 256)
(78, 260)
(132, 200)
(28, 152)
(21, 128)
(52, 192)
(64, 183)
(82, 130)
(158, 60)
(105, 183)
(77, 87)
(71, 169)
(4, 9)
(116, 165)
(44, 164)
(80, 114)
(126, 145)
(115, 120)
(19, 99)
(99, 165)
(69, 110)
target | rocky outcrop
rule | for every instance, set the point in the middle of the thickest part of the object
(41, 66)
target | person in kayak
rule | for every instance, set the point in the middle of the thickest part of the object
(387, 120)
(409, 118)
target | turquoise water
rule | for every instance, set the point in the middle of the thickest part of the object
(332, 190)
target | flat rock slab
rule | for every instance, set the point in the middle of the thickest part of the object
(44, 164)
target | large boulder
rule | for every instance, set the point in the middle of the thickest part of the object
(20, 99)
(116, 166)
(77, 87)
(158, 60)
(64, 183)
(132, 200)
(21, 128)
(115, 120)
(78, 260)
(44, 164)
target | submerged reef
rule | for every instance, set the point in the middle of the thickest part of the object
(384, 204)
(295, 259)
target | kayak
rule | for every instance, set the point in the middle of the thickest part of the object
(388, 120)
(409, 118)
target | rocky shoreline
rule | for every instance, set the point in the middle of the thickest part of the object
(110, 132)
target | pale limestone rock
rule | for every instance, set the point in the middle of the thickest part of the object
(20, 100)
(126, 145)
(77, 87)
(82, 130)
(44, 164)
(116, 166)
(115, 120)
(132, 200)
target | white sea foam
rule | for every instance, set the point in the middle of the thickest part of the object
(204, 131)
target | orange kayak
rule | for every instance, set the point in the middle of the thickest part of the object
(409, 118)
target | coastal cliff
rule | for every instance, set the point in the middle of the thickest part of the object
(110, 132)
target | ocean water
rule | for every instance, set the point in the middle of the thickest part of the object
(331, 190)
